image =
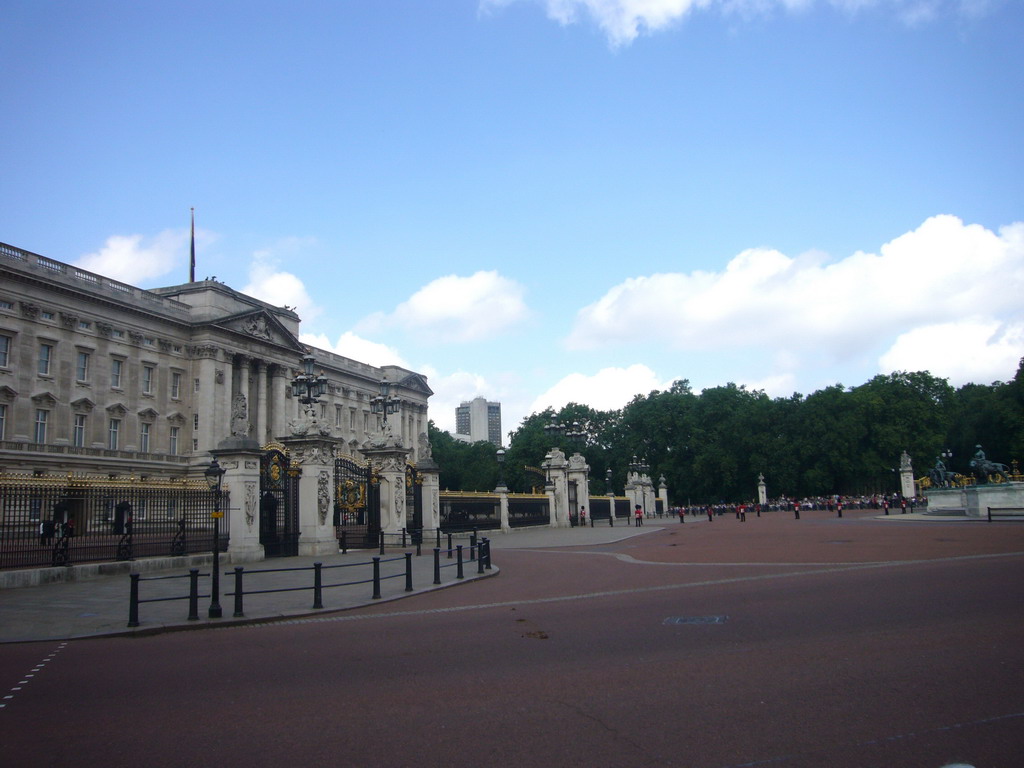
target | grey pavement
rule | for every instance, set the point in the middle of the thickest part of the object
(98, 605)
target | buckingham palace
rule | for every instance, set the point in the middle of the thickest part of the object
(116, 401)
(100, 376)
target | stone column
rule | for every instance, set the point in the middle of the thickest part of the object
(205, 400)
(261, 402)
(762, 491)
(226, 382)
(241, 461)
(278, 402)
(315, 456)
(389, 464)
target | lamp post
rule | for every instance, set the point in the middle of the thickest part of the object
(611, 496)
(576, 435)
(554, 430)
(384, 404)
(500, 455)
(308, 387)
(214, 475)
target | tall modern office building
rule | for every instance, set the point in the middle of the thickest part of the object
(478, 420)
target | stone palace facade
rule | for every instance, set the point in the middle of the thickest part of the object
(101, 377)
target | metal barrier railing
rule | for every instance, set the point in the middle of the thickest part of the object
(480, 551)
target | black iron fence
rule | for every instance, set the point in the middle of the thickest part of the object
(525, 509)
(63, 520)
(366, 575)
(463, 511)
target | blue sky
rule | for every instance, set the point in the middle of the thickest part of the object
(541, 201)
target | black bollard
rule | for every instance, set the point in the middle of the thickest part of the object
(238, 592)
(408, 571)
(133, 601)
(376, 578)
(318, 586)
(458, 569)
(437, 565)
(193, 594)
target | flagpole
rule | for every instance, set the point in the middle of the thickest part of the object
(192, 262)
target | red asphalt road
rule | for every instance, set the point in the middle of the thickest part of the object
(847, 642)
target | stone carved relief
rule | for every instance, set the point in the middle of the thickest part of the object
(257, 326)
(200, 351)
(240, 426)
(424, 446)
(135, 337)
(323, 495)
(250, 504)
(69, 320)
(104, 329)
(31, 311)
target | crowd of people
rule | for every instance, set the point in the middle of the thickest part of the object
(894, 502)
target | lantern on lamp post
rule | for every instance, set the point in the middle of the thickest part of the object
(214, 477)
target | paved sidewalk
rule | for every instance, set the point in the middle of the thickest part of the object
(99, 606)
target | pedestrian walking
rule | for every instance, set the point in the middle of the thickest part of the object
(583, 516)
(639, 516)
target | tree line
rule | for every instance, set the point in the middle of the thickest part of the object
(711, 446)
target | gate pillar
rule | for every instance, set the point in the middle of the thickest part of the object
(431, 474)
(315, 456)
(389, 465)
(578, 472)
(557, 487)
(241, 463)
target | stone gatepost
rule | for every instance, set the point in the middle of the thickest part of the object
(240, 459)
(907, 486)
(762, 491)
(578, 472)
(557, 487)
(315, 457)
(389, 466)
(663, 492)
(430, 473)
(502, 492)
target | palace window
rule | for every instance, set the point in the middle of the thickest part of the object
(114, 434)
(116, 369)
(45, 358)
(147, 379)
(172, 447)
(3, 420)
(42, 416)
(175, 385)
(82, 367)
(78, 431)
(144, 430)
(5, 351)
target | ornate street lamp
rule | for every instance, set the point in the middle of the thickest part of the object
(384, 404)
(214, 476)
(576, 434)
(554, 430)
(308, 387)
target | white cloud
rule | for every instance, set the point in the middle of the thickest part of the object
(269, 283)
(356, 348)
(993, 351)
(807, 307)
(608, 389)
(457, 309)
(452, 389)
(135, 259)
(622, 21)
